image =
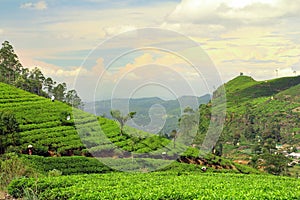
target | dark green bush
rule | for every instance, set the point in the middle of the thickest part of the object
(68, 165)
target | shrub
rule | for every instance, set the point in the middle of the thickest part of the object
(12, 167)
(67, 165)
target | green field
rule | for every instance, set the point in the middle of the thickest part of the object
(160, 185)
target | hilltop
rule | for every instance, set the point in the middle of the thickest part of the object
(262, 117)
(243, 88)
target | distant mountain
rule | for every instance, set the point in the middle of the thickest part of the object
(153, 114)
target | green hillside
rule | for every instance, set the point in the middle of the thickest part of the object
(262, 109)
(44, 125)
(243, 88)
(42, 122)
(291, 94)
(262, 118)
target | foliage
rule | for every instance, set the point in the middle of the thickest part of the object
(122, 119)
(30, 194)
(272, 163)
(12, 167)
(191, 153)
(9, 128)
(160, 185)
(39, 122)
(73, 99)
(60, 91)
(67, 165)
(188, 125)
(10, 65)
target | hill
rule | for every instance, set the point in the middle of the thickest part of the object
(41, 122)
(144, 107)
(243, 88)
(262, 117)
(55, 128)
(263, 108)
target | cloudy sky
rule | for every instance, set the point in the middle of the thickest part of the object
(94, 45)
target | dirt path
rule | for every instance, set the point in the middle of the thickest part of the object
(4, 196)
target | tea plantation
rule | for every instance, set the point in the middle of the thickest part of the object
(55, 128)
(160, 185)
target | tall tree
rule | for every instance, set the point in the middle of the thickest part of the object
(122, 119)
(36, 78)
(12, 72)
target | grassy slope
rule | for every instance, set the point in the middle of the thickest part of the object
(43, 124)
(245, 88)
(40, 120)
(266, 104)
(259, 107)
(291, 94)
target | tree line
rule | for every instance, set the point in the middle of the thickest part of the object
(12, 72)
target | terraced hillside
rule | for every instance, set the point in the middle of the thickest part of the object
(56, 128)
(42, 122)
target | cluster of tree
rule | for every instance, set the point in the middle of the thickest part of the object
(276, 164)
(12, 72)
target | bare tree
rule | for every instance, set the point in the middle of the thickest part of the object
(122, 119)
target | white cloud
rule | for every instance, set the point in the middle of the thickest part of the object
(40, 5)
(115, 30)
(232, 12)
(253, 36)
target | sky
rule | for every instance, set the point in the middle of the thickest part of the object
(139, 48)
